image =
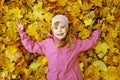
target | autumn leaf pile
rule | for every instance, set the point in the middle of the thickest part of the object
(100, 63)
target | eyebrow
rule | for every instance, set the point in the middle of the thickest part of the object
(57, 23)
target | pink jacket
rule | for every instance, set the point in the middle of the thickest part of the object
(62, 62)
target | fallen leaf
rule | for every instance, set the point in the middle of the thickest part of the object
(101, 65)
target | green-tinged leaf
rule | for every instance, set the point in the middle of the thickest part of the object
(101, 65)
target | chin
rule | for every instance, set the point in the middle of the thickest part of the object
(60, 38)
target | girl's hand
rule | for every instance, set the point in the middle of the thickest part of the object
(20, 26)
(100, 22)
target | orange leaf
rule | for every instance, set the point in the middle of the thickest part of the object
(53, 4)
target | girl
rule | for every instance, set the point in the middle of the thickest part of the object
(61, 49)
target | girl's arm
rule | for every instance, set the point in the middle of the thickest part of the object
(30, 45)
(90, 42)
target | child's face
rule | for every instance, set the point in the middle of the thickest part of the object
(60, 30)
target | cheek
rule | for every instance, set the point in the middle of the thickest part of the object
(54, 31)
(65, 30)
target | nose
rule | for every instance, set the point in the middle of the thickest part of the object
(59, 29)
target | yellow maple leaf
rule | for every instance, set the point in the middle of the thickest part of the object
(88, 22)
(2, 29)
(52, 0)
(11, 32)
(29, 2)
(101, 49)
(78, 26)
(79, 1)
(35, 65)
(11, 66)
(85, 5)
(104, 28)
(114, 50)
(31, 30)
(2, 47)
(88, 19)
(111, 70)
(113, 33)
(38, 14)
(100, 64)
(42, 60)
(4, 74)
(48, 16)
(31, 16)
(62, 2)
(81, 66)
(108, 2)
(84, 34)
(117, 26)
(90, 71)
(41, 13)
(8, 65)
(6, 9)
(110, 17)
(116, 2)
(97, 2)
(38, 6)
(104, 11)
(74, 9)
(110, 41)
(10, 52)
(116, 59)
(43, 28)
(91, 14)
(13, 13)
(11, 25)
(1, 3)
(113, 10)
(27, 71)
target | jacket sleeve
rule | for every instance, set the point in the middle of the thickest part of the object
(90, 42)
(30, 45)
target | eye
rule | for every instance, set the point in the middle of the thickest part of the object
(55, 27)
(62, 26)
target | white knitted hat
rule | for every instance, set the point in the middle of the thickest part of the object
(60, 18)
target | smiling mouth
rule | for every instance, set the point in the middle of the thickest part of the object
(60, 34)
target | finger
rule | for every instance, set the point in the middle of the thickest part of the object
(100, 21)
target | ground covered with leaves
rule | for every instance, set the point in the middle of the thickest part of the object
(100, 63)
